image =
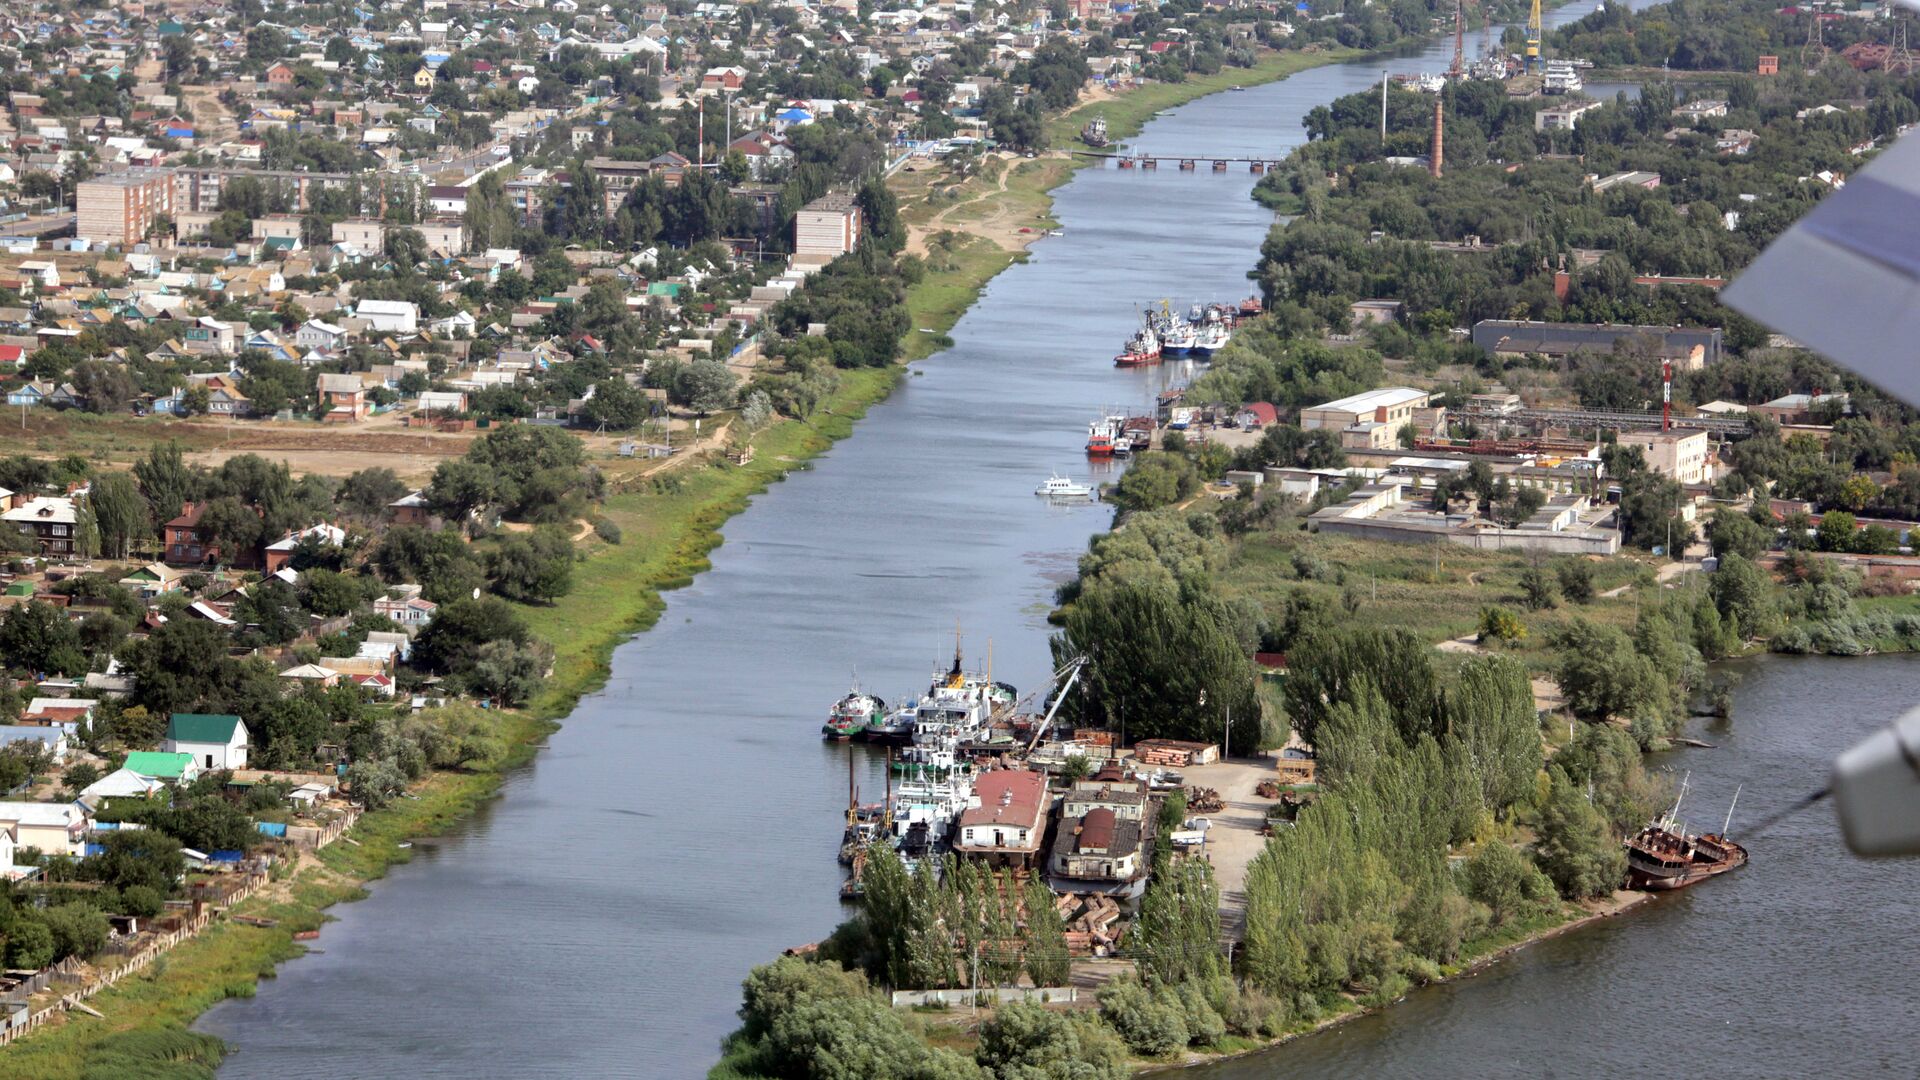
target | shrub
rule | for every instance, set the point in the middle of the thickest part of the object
(1153, 1025)
(605, 529)
(1502, 878)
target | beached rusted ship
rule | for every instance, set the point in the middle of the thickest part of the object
(1664, 855)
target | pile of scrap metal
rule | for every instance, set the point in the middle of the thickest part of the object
(1093, 923)
(1204, 800)
(1267, 789)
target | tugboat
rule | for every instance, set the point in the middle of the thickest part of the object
(851, 715)
(1664, 856)
(1103, 437)
(1142, 349)
(1095, 133)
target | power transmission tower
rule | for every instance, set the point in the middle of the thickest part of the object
(1816, 49)
(1900, 60)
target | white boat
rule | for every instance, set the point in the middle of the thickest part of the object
(1061, 487)
(1214, 334)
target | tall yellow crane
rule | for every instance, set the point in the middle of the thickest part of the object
(1534, 61)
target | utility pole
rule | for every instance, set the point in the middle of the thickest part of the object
(1383, 108)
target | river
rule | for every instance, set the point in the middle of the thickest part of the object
(681, 827)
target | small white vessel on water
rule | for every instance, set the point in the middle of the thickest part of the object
(1061, 487)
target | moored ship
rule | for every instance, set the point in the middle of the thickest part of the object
(1095, 133)
(1142, 348)
(851, 715)
(1664, 856)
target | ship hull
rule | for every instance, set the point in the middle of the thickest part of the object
(1652, 876)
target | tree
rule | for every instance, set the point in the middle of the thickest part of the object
(460, 628)
(509, 672)
(35, 637)
(1576, 579)
(119, 512)
(1575, 848)
(1743, 594)
(1023, 1041)
(617, 406)
(30, 944)
(375, 782)
(137, 857)
(166, 480)
(1537, 589)
(369, 491)
(232, 526)
(328, 594)
(1497, 624)
(532, 567)
(178, 665)
(103, 387)
(1837, 531)
(705, 386)
(1731, 532)
(1502, 878)
(1491, 716)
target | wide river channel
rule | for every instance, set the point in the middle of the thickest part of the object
(681, 827)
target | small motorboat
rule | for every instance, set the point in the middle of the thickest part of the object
(1061, 487)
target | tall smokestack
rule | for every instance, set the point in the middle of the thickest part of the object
(1433, 165)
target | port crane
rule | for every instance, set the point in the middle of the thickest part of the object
(1535, 62)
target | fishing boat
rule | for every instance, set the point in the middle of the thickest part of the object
(1061, 487)
(1250, 307)
(1216, 329)
(851, 715)
(893, 728)
(1665, 856)
(1177, 336)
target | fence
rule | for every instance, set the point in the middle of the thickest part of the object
(71, 970)
(1045, 995)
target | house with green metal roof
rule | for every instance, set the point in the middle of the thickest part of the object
(174, 768)
(216, 741)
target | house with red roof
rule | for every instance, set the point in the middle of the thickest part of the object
(1006, 819)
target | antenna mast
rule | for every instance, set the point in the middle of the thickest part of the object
(1730, 806)
(1816, 51)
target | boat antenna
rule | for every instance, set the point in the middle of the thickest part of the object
(1730, 806)
(886, 814)
(1673, 815)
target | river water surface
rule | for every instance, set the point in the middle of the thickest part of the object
(681, 827)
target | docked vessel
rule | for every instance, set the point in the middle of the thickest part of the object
(1664, 856)
(1562, 77)
(1177, 336)
(1095, 133)
(1061, 487)
(1102, 436)
(851, 715)
(1141, 349)
(1216, 329)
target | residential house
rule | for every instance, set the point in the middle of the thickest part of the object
(410, 611)
(51, 828)
(47, 523)
(52, 739)
(280, 553)
(172, 768)
(217, 741)
(345, 398)
(154, 579)
(389, 316)
(411, 509)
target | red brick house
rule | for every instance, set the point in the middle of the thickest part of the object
(280, 75)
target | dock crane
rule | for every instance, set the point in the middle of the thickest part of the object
(1535, 62)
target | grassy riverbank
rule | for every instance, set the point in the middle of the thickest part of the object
(1128, 111)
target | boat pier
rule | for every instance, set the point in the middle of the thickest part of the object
(1186, 162)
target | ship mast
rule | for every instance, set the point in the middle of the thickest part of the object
(1730, 806)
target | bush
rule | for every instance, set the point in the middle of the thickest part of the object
(1502, 878)
(142, 900)
(1499, 624)
(605, 529)
(1032, 1042)
(1153, 1025)
(1576, 580)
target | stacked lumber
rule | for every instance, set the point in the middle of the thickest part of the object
(1163, 755)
